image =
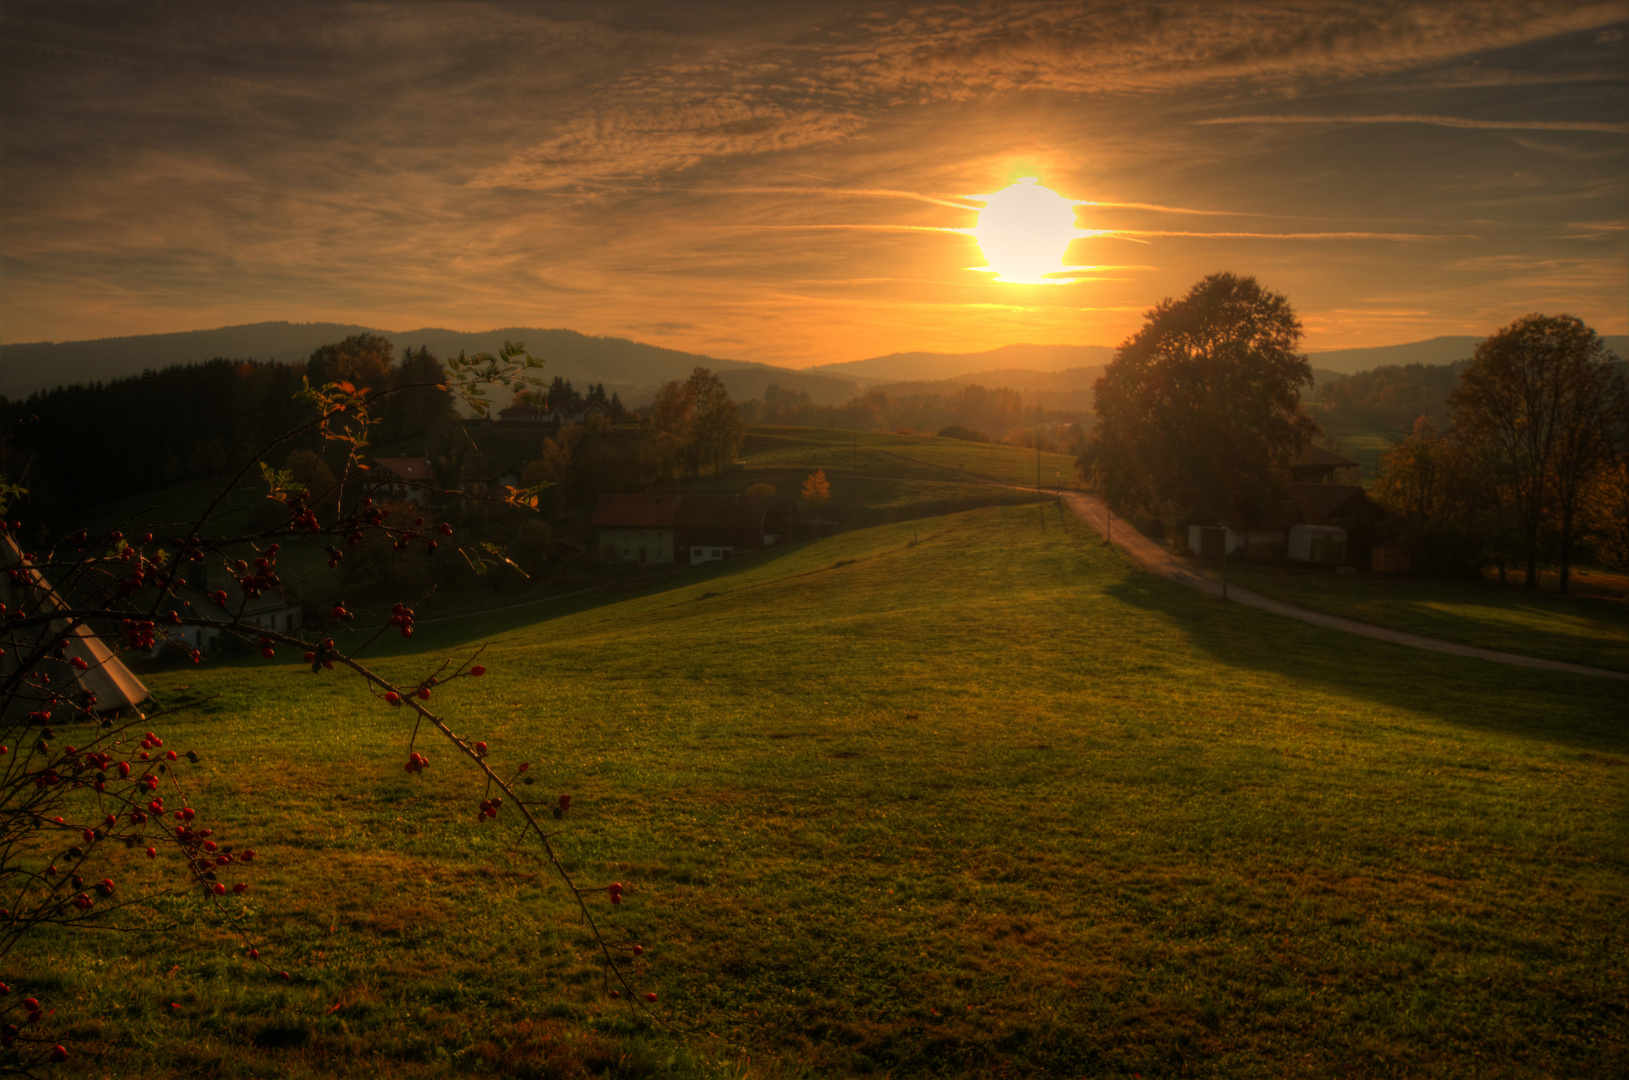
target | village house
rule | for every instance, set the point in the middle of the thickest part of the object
(1318, 522)
(530, 412)
(277, 609)
(400, 479)
(677, 529)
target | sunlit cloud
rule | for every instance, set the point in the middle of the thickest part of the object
(1609, 127)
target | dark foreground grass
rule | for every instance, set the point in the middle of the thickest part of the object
(1578, 630)
(992, 804)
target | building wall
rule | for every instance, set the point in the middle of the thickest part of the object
(636, 546)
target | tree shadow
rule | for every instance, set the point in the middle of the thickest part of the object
(1580, 711)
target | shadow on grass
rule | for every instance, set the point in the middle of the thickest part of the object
(1573, 710)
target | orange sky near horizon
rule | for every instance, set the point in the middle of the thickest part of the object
(802, 185)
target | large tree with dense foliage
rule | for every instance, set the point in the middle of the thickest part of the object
(1199, 411)
(698, 423)
(1541, 401)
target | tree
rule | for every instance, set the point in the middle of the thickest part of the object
(1540, 401)
(817, 487)
(1430, 484)
(422, 406)
(363, 360)
(1199, 411)
(698, 426)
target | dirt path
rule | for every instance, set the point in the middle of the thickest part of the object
(1153, 557)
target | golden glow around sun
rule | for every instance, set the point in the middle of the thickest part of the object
(1024, 230)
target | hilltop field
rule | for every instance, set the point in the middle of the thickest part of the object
(958, 791)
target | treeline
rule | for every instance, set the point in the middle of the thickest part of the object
(1393, 396)
(975, 411)
(1529, 463)
(690, 429)
(86, 444)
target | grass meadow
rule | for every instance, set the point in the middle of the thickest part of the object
(1578, 629)
(963, 795)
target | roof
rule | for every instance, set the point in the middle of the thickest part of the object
(1319, 503)
(106, 676)
(1318, 457)
(413, 470)
(275, 598)
(635, 511)
(678, 512)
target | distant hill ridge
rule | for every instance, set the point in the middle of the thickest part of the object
(633, 368)
(619, 362)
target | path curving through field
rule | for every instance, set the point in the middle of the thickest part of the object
(1154, 558)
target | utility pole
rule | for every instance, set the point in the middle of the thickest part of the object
(1224, 527)
(1037, 461)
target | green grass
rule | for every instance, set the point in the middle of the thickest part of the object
(1574, 629)
(877, 453)
(989, 803)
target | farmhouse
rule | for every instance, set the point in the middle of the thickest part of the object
(1315, 523)
(275, 609)
(480, 478)
(677, 529)
(400, 479)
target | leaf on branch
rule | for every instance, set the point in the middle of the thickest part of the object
(280, 483)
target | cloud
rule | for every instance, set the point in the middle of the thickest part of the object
(1133, 233)
(1435, 121)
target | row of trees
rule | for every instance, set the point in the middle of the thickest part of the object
(993, 412)
(693, 428)
(1393, 396)
(82, 445)
(1533, 458)
(1199, 418)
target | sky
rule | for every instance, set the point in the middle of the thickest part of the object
(803, 183)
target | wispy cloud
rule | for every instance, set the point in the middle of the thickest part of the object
(1412, 237)
(1610, 127)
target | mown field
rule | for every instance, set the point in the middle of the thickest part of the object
(1589, 630)
(960, 796)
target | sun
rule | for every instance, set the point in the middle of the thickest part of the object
(1023, 231)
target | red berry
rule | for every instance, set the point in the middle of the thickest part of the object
(254, 954)
(268, 653)
(639, 950)
(651, 996)
(152, 853)
(614, 887)
(480, 748)
(393, 697)
(31, 1005)
(424, 693)
(220, 890)
(525, 765)
(616, 898)
(477, 670)
(282, 974)
(240, 887)
(616, 993)
(59, 1054)
(310, 657)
